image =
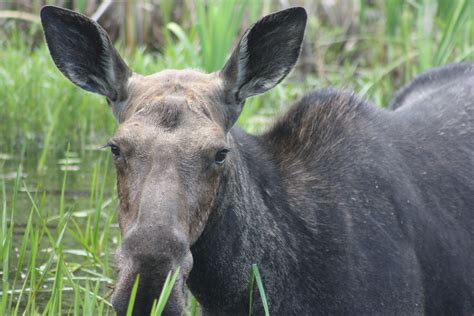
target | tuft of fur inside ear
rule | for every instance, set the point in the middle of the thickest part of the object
(266, 53)
(83, 52)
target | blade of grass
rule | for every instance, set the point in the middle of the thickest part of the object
(165, 293)
(133, 295)
(255, 277)
(194, 306)
(459, 14)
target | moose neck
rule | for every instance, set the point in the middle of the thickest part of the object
(248, 226)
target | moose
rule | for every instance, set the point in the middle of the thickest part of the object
(345, 207)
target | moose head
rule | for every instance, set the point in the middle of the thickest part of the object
(173, 143)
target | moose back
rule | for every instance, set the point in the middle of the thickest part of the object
(346, 208)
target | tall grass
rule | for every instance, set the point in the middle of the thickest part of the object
(58, 225)
(54, 260)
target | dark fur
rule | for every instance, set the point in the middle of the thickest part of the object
(426, 86)
(349, 208)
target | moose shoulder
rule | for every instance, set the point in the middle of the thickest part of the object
(345, 207)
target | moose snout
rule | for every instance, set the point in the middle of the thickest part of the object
(151, 254)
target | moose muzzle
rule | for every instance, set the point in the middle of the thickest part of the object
(151, 253)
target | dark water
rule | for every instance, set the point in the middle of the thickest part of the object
(89, 184)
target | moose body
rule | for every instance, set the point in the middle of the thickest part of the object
(345, 214)
(345, 207)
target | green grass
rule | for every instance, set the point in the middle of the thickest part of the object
(58, 225)
(256, 278)
(159, 305)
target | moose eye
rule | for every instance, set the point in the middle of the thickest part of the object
(220, 156)
(115, 150)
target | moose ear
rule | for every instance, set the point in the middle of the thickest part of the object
(84, 53)
(265, 54)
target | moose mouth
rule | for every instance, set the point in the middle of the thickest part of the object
(147, 295)
(151, 275)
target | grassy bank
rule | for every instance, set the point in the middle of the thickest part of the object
(58, 225)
